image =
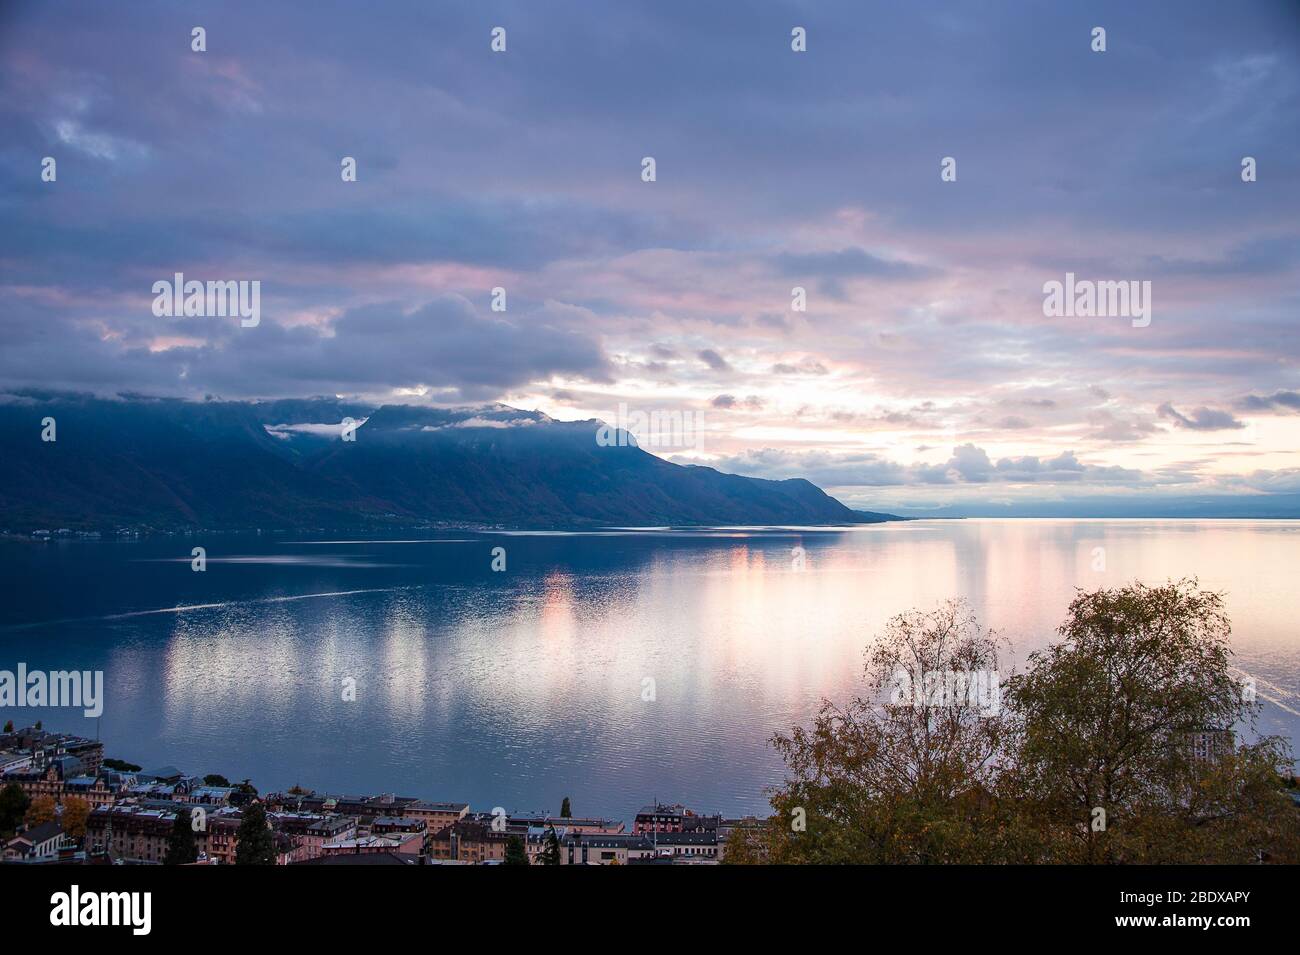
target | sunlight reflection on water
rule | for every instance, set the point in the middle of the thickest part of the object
(521, 687)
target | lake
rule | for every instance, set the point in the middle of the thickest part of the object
(519, 687)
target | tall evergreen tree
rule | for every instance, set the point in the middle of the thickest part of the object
(254, 844)
(566, 812)
(551, 854)
(181, 847)
(516, 854)
(13, 806)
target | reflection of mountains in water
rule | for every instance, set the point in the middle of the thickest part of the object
(281, 464)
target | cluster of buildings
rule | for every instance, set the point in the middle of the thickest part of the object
(64, 533)
(56, 765)
(132, 815)
(660, 835)
(64, 768)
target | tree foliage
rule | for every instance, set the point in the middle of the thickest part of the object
(181, 846)
(516, 853)
(1106, 722)
(13, 807)
(551, 854)
(888, 776)
(254, 842)
(41, 810)
(1086, 756)
(76, 812)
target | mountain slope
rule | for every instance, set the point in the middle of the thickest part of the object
(170, 464)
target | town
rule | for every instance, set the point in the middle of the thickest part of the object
(63, 803)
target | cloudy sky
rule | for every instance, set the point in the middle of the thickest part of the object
(924, 375)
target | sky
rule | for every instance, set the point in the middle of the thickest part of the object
(925, 375)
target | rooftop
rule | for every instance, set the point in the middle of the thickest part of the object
(364, 858)
(42, 833)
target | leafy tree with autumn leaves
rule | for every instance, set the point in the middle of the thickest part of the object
(1086, 759)
(1103, 754)
(76, 813)
(40, 811)
(888, 777)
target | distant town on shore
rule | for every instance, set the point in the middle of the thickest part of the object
(63, 803)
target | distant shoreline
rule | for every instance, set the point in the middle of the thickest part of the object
(368, 531)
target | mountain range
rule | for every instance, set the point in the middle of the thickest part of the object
(174, 464)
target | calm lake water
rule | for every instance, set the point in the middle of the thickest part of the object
(515, 689)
